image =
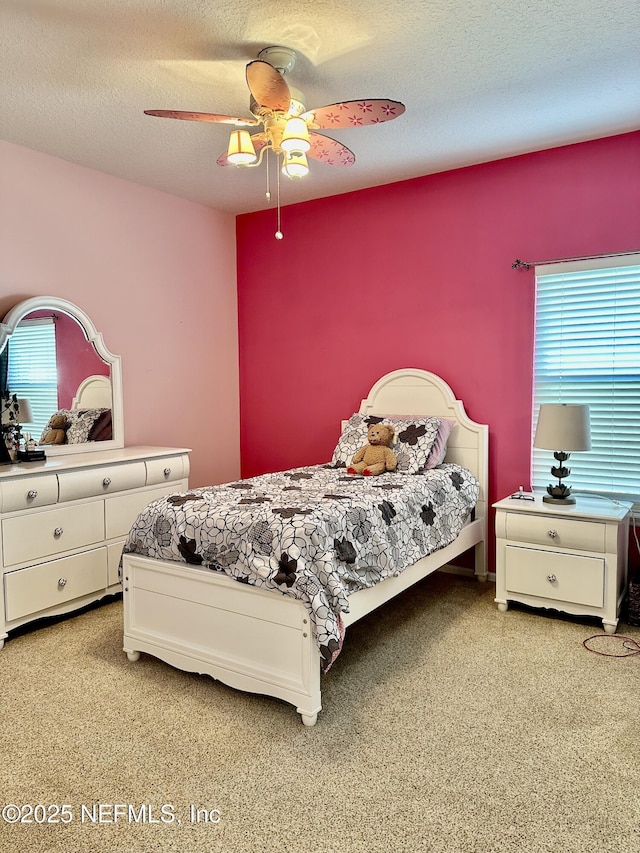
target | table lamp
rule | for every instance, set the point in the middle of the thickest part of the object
(563, 428)
(24, 415)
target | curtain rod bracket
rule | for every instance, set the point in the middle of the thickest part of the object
(518, 265)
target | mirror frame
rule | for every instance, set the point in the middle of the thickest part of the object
(39, 303)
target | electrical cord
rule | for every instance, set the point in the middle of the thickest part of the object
(615, 503)
(628, 644)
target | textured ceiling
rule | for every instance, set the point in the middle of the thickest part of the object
(481, 79)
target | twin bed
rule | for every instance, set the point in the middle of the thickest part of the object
(255, 582)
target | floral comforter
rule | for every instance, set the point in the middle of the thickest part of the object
(316, 533)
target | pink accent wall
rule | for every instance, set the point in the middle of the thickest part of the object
(157, 276)
(417, 274)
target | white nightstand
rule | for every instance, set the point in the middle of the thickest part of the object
(572, 559)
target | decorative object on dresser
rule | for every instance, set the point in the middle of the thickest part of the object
(64, 519)
(572, 559)
(255, 612)
(15, 413)
(563, 428)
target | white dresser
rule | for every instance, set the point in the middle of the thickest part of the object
(63, 523)
(572, 559)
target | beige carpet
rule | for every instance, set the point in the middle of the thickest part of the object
(447, 726)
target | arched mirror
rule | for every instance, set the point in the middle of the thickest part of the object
(54, 362)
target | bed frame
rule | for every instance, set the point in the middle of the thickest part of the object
(94, 392)
(260, 642)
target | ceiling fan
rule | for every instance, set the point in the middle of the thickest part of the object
(287, 128)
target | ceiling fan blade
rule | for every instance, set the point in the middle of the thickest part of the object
(354, 113)
(259, 141)
(189, 116)
(330, 151)
(268, 86)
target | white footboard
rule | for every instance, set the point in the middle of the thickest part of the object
(200, 621)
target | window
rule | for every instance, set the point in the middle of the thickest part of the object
(32, 370)
(587, 350)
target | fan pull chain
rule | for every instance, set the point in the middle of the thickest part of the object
(268, 192)
(279, 234)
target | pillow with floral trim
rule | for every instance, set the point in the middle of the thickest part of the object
(439, 449)
(414, 439)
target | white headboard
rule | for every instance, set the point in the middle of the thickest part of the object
(412, 391)
(94, 392)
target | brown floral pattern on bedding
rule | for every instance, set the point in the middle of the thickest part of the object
(333, 535)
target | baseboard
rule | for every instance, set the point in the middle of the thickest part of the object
(466, 573)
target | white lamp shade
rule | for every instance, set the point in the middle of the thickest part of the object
(295, 139)
(241, 151)
(295, 166)
(25, 415)
(563, 426)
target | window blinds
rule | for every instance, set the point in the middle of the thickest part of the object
(587, 350)
(32, 371)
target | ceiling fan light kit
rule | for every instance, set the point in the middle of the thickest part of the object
(295, 165)
(288, 131)
(241, 151)
(295, 139)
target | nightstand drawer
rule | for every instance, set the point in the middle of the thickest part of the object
(575, 534)
(50, 584)
(557, 576)
(37, 535)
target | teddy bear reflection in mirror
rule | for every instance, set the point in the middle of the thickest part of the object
(56, 432)
(376, 457)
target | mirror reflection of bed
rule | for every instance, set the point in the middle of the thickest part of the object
(94, 392)
(89, 418)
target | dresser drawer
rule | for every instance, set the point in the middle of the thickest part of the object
(28, 591)
(165, 470)
(558, 576)
(575, 534)
(114, 553)
(36, 535)
(122, 510)
(27, 492)
(101, 481)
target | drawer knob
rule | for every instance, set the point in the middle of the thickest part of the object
(62, 582)
(552, 534)
(106, 482)
(58, 532)
(167, 471)
(552, 578)
(31, 494)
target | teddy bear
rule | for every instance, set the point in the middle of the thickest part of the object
(56, 432)
(377, 456)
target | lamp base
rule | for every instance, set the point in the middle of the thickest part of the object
(548, 499)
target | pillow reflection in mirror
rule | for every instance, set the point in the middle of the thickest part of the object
(84, 425)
